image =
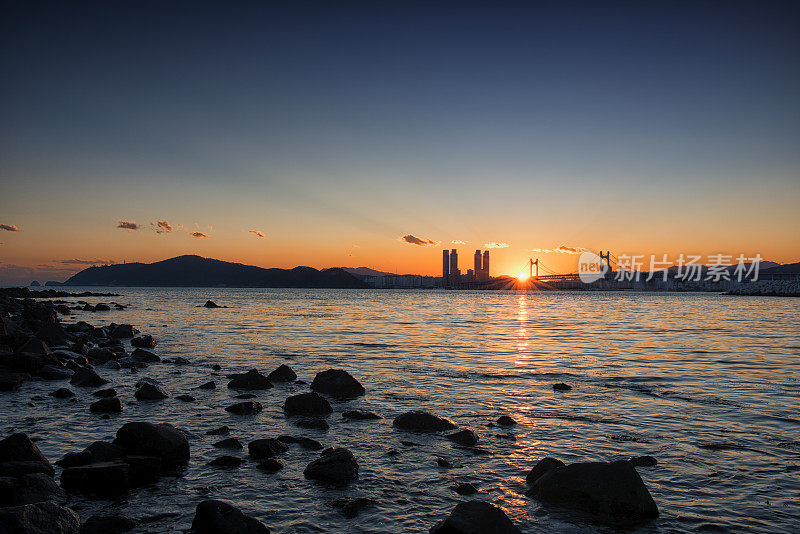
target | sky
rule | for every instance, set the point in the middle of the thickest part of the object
(323, 134)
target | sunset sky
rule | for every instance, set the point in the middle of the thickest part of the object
(335, 129)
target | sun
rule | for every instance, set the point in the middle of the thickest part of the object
(523, 276)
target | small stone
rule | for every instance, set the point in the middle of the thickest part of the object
(186, 398)
(465, 489)
(226, 462)
(245, 408)
(109, 405)
(62, 393)
(229, 443)
(221, 431)
(642, 461)
(266, 448)
(561, 386)
(505, 420)
(441, 462)
(208, 385)
(270, 465)
(465, 437)
(105, 393)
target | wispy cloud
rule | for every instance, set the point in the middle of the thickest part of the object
(257, 233)
(199, 235)
(127, 225)
(10, 228)
(162, 227)
(495, 244)
(413, 240)
(86, 262)
(563, 249)
(458, 242)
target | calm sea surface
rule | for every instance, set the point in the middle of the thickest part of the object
(708, 384)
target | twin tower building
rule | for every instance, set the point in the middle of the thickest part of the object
(451, 274)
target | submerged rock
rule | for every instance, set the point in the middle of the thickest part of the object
(642, 461)
(465, 437)
(351, 507)
(226, 461)
(62, 393)
(313, 423)
(612, 492)
(360, 415)
(561, 386)
(306, 443)
(266, 448)
(283, 373)
(336, 465)
(307, 404)
(39, 518)
(186, 398)
(441, 462)
(421, 421)
(250, 380)
(505, 420)
(218, 517)
(476, 517)
(245, 408)
(270, 465)
(221, 431)
(337, 383)
(229, 443)
(211, 304)
(208, 385)
(147, 439)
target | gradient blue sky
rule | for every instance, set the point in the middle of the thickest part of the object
(336, 128)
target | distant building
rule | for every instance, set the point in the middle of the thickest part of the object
(478, 270)
(485, 267)
(445, 268)
(455, 274)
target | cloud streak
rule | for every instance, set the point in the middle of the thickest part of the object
(563, 249)
(127, 225)
(414, 240)
(257, 233)
(199, 235)
(10, 228)
(458, 242)
(495, 244)
(162, 227)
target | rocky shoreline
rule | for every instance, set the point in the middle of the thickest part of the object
(36, 345)
(768, 288)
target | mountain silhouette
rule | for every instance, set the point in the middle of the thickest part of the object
(196, 271)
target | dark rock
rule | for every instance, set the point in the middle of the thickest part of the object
(351, 507)
(148, 439)
(208, 385)
(226, 461)
(54, 334)
(186, 398)
(34, 346)
(337, 383)
(270, 465)
(144, 356)
(28, 489)
(143, 342)
(101, 306)
(74, 459)
(441, 462)
(100, 355)
(221, 431)
(245, 408)
(211, 304)
(216, 367)
(250, 380)
(476, 517)
(143, 470)
(53, 372)
(218, 517)
(85, 377)
(105, 393)
(10, 381)
(612, 492)
(465, 489)
(229, 443)
(561, 386)
(39, 518)
(307, 404)
(465, 437)
(360, 415)
(306, 443)
(107, 524)
(149, 391)
(179, 360)
(283, 373)
(123, 331)
(19, 455)
(542, 467)
(313, 423)
(642, 461)
(408, 443)
(505, 420)
(103, 478)
(420, 421)
(109, 405)
(335, 465)
(62, 393)
(266, 448)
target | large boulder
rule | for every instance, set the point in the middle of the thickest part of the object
(283, 373)
(476, 517)
(542, 467)
(421, 421)
(103, 478)
(123, 331)
(147, 439)
(337, 383)
(335, 465)
(19, 455)
(251, 380)
(611, 492)
(39, 518)
(307, 404)
(53, 334)
(265, 448)
(85, 377)
(218, 517)
(149, 391)
(28, 489)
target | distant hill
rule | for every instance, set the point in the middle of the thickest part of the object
(361, 272)
(196, 271)
(786, 268)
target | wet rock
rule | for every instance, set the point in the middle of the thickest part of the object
(337, 383)
(270, 465)
(148, 391)
(505, 420)
(143, 470)
(62, 393)
(612, 492)
(477, 451)
(283, 373)
(34, 346)
(465, 437)
(53, 372)
(266, 448)
(218, 517)
(465, 489)
(103, 478)
(101, 306)
(85, 377)
(313, 423)
(143, 342)
(245, 408)
(105, 393)
(336, 466)
(39, 518)
(186, 398)
(360, 415)
(561, 386)
(543, 466)
(351, 507)
(307, 404)
(147, 439)
(144, 356)
(10, 381)
(178, 360)
(306, 443)
(211, 304)
(19, 456)
(122, 331)
(29, 488)
(226, 461)
(216, 367)
(208, 385)
(54, 334)
(408, 443)
(100, 355)
(642, 461)
(476, 517)
(109, 405)
(251, 380)
(107, 524)
(421, 421)
(221, 431)
(441, 462)
(229, 443)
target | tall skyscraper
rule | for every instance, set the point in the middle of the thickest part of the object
(445, 268)
(454, 274)
(485, 270)
(478, 269)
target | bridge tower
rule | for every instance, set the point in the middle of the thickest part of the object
(530, 267)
